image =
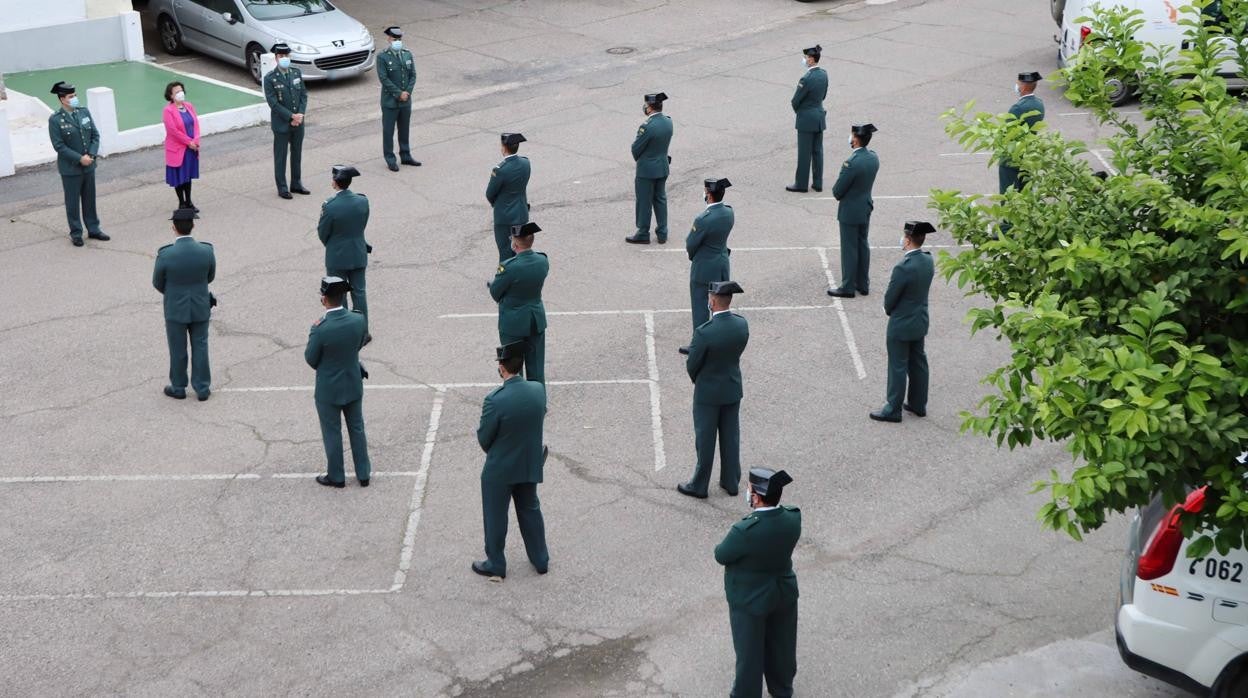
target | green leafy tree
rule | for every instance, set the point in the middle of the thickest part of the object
(1124, 299)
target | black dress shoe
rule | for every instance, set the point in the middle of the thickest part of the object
(863, 293)
(174, 393)
(661, 240)
(364, 483)
(98, 235)
(285, 195)
(367, 338)
(324, 480)
(300, 189)
(203, 397)
(689, 492)
(880, 416)
(840, 293)
(918, 413)
(77, 242)
(394, 166)
(684, 350)
(818, 189)
(192, 206)
(411, 161)
(794, 189)
(731, 492)
(637, 239)
(479, 568)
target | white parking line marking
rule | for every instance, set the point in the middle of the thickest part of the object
(418, 493)
(656, 410)
(806, 248)
(840, 311)
(1108, 167)
(654, 311)
(424, 386)
(193, 594)
(173, 477)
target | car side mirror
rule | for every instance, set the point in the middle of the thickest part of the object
(229, 18)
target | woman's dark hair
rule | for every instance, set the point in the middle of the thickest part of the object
(169, 90)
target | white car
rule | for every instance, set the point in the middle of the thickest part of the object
(1183, 620)
(1161, 28)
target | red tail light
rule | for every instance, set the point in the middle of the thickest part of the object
(1084, 32)
(1163, 548)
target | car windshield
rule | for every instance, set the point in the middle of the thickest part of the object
(285, 9)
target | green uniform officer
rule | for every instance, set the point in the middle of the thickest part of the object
(396, 70)
(1028, 109)
(653, 166)
(288, 98)
(905, 303)
(714, 366)
(76, 141)
(183, 271)
(810, 121)
(341, 229)
(334, 351)
(506, 192)
(707, 246)
(517, 288)
(510, 433)
(853, 191)
(761, 587)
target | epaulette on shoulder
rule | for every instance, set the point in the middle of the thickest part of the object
(360, 194)
(544, 255)
(744, 524)
(789, 507)
(164, 247)
(204, 242)
(356, 310)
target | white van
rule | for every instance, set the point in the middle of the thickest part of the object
(1161, 28)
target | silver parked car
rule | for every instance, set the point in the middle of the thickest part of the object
(326, 43)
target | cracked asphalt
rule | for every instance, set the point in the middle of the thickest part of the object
(181, 548)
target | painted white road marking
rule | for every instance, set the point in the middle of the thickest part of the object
(656, 410)
(840, 311)
(652, 311)
(1108, 167)
(418, 493)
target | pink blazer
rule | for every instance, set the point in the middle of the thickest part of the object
(176, 139)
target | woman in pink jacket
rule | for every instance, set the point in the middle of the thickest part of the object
(181, 143)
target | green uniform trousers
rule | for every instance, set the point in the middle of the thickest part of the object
(402, 116)
(809, 159)
(502, 238)
(698, 302)
(534, 354)
(177, 334)
(708, 422)
(80, 193)
(496, 499)
(766, 648)
(651, 194)
(291, 141)
(359, 294)
(331, 435)
(855, 257)
(906, 360)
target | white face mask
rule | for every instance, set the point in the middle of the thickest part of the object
(747, 498)
(283, 62)
(851, 141)
(804, 63)
(1017, 91)
(902, 244)
(179, 96)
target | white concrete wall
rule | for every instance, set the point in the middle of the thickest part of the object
(102, 8)
(24, 14)
(116, 36)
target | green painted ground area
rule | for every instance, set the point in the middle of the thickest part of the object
(139, 89)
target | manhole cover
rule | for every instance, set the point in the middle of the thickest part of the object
(620, 50)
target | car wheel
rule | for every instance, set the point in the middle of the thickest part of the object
(1233, 682)
(1120, 91)
(170, 36)
(1057, 8)
(254, 51)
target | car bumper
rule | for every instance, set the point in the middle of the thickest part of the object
(1135, 633)
(334, 66)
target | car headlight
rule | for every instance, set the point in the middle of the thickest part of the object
(303, 48)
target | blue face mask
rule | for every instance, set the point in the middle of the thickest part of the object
(73, 101)
(397, 45)
(283, 62)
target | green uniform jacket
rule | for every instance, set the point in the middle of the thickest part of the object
(517, 288)
(707, 244)
(341, 229)
(397, 72)
(334, 351)
(506, 191)
(184, 268)
(905, 301)
(853, 187)
(73, 134)
(650, 147)
(510, 432)
(808, 101)
(757, 555)
(1029, 109)
(286, 95)
(714, 361)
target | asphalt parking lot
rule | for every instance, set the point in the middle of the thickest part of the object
(181, 548)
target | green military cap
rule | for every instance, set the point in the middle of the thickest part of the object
(919, 228)
(725, 288)
(63, 88)
(1033, 76)
(766, 480)
(514, 350)
(334, 286)
(519, 231)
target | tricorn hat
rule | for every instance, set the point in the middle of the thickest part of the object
(863, 129)
(766, 481)
(1033, 76)
(716, 185)
(183, 214)
(346, 172)
(394, 32)
(279, 47)
(63, 88)
(725, 288)
(815, 50)
(919, 228)
(334, 286)
(514, 350)
(512, 139)
(519, 231)
(656, 98)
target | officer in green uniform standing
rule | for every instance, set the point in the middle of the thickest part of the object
(707, 245)
(288, 98)
(853, 213)
(334, 351)
(1028, 109)
(811, 120)
(184, 268)
(76, 141)
(506, 192)
(905, 303)
(653, 166)
(396, 69)
(761, 587)
(714, 366)
(517, 288)
(510, 433)
(341, 229)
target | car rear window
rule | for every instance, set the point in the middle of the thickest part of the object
(286, 9)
